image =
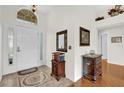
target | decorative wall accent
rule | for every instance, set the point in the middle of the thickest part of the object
(27, 15)
(116, 39)
(84, 37)
(116, 10)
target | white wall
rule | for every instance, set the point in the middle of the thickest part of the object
(0, 52)
(85, 20)
(71, 18)
(115, 50)
(9, 20)
(0, 47)
(60, 19)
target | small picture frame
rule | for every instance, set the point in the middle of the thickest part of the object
(84, 37)
(117, 39)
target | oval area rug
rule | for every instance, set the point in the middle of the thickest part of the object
(34, 79)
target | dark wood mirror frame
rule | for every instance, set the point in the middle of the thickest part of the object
(64, 32)
(87, 32)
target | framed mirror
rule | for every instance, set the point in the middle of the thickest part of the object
(61, 41)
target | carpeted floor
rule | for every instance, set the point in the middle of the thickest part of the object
(40, 78)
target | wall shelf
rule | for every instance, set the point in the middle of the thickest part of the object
(110, 22)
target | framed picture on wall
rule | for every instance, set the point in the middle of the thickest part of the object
(61, 41)
(84, 37)
(117, 39)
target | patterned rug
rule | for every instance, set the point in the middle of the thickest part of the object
(42, 78)
(34, 79)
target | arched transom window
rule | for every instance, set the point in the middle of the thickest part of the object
(27, 15)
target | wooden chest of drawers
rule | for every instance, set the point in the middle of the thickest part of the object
(58, 65)
(58, 69)
(92, 66)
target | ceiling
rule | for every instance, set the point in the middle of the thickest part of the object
(46, 8)
(100, 9)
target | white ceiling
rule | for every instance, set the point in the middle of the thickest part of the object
(44, 8)
(100, 9)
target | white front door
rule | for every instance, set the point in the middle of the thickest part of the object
(27, 48)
